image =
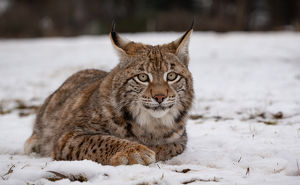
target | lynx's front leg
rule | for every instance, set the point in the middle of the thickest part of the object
(107, 150)
(167, 151)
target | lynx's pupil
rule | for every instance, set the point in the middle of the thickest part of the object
(171, 76)
(143, 77)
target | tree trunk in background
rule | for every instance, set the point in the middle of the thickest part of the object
(41, 18)
(243, 7)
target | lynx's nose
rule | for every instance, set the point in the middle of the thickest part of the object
(159, 98)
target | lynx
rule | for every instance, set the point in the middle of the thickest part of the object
(134, 114)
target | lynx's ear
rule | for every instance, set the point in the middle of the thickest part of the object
(181, 46)
(117, 41)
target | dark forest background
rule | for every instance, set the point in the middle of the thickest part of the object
(43, 18)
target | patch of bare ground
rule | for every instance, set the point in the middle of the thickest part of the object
(267, 118)
(204, 118)
(23, 108)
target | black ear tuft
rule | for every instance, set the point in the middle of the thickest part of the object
(118, 42)
(113, 33)
(191, 27)
(113, 25)
(182, 46)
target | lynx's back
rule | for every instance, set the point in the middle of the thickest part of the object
(55, 111)
(134, 114)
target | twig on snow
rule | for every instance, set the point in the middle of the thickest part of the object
(248, 171)
(240, 159)
(201, 180)
(298, 173)
(183, 171)
(10, 170)
(72, 178)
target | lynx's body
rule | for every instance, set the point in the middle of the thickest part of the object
(135, 114)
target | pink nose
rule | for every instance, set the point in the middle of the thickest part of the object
(159, 98)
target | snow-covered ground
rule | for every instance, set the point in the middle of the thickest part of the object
(244, 127)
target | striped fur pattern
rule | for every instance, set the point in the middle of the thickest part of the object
(134, 114)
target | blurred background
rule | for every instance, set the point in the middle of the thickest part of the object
(44, 18)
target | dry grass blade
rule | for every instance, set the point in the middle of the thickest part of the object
(58, 176)
(248, 171)
(183, 171)
(189, 181)
(201, 180)
(72, 178)
(3, 111)
(10, 170)
(143, 183)
(240, 159)
(195, 116)
(26, 165)
(162, 176)
(278, 115)
(270, 122)
(298, 172)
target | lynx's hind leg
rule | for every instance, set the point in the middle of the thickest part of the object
(31, 144)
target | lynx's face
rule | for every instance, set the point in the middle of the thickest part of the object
(162, 83)
(159, 96)
(153, 82)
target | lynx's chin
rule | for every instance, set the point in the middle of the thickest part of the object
(158, 113)
(151, 118)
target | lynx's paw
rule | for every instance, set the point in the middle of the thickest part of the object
(136, 154)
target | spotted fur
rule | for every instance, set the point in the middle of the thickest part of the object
(115, 117)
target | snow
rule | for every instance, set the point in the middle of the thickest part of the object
(246, 115)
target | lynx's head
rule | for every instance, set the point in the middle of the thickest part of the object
(152, 83)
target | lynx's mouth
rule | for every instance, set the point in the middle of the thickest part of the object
(158, 108)
(158, 111)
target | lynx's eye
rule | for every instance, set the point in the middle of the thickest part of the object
(171, 76)
(143, 77)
